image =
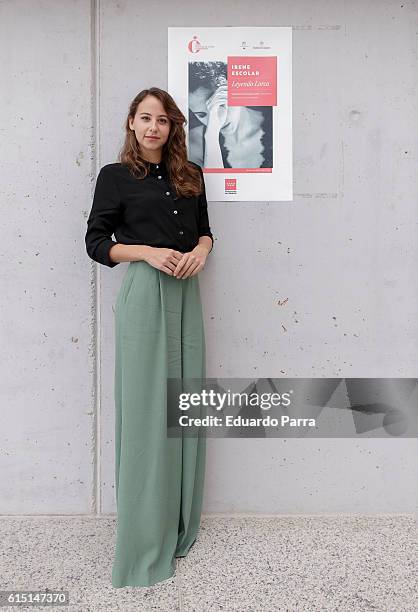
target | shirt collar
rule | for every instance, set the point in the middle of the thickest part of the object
(157, 168)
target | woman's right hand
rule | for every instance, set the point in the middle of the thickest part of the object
(217, 106)
(163, 259)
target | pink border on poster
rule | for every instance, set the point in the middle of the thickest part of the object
(236, 170)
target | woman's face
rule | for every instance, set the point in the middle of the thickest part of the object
(151, 126)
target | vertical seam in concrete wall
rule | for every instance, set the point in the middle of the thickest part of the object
(95, 273)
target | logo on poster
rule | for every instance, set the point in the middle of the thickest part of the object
(261, 45)
(231, 185)
(194, 45)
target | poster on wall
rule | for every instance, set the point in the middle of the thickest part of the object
(233, 85)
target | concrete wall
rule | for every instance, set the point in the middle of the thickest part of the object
(344, 252)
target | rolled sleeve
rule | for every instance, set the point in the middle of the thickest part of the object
(204, 226)
(103, 219)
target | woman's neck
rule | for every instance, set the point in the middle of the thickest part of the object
(152, 161)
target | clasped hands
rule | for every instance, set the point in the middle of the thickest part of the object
(177, 264)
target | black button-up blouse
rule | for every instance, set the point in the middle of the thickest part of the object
(143, 211)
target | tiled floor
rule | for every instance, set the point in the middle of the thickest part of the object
(238, 564)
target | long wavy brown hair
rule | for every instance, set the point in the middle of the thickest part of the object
(185, 178)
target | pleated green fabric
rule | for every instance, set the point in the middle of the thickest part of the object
(159, 333)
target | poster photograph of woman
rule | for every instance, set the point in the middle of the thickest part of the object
(222, 136)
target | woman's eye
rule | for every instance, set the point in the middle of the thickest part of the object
(162, 120)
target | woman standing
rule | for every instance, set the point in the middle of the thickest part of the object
(154, 202)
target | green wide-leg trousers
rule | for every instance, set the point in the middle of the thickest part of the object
(159, 333)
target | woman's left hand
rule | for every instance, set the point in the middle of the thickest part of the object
(191, 263)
